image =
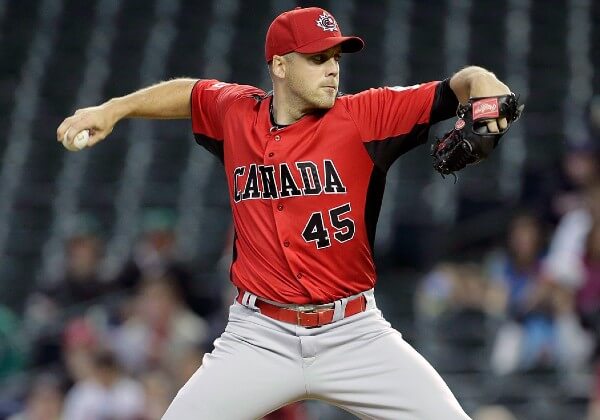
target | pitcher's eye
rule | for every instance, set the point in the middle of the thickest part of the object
(319, 58)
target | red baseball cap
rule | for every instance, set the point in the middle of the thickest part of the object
(307, 30)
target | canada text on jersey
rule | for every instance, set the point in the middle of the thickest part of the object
(274, 182)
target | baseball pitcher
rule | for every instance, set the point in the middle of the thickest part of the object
(306, 169)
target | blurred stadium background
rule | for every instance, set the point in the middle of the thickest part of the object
(113, 261)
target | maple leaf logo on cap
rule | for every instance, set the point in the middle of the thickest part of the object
(327, 22)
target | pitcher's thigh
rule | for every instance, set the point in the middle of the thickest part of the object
(237, 381)
(385, 378)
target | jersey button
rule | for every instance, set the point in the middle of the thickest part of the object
(277, 137)
(299, 276)
(271, 154)
(280, 207)
(286, 244)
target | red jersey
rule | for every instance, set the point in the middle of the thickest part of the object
(306, 197)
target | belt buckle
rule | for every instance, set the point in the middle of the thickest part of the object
(303, 309)
(306, 308)
(312, 314)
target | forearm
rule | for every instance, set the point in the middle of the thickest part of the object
(473, 82)
(164, 100)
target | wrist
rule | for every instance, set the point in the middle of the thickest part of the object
(117, 109)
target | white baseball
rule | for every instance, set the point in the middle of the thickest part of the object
(81, 139)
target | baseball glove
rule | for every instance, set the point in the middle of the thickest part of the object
(470, 141)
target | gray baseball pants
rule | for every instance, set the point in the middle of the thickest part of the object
(359, 363)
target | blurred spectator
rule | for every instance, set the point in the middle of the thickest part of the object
(81, 280)
(574, 258)
(161, 330)
(107, 394)
(12, 348)
(493, 412)
(188, 362)
(78, 347)
(155, 254)
(79, 284)
(564, 261)
(159, 391)
(540, 330)
(594, 406)
(529, 342)
(434, 292)
(454, 323)
(516, 268)
(526, 339)
(581, 168)
(44, 400)
(452, 287)
(588, 294)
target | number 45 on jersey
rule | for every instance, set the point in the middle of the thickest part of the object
(315, 230)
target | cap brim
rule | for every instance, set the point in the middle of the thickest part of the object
(350, 44)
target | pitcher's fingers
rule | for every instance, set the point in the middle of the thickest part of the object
(502, 123)
(62, 129)
(77, 126)
(492, 126)
(97, 136)
(72, 124)
(66, 139)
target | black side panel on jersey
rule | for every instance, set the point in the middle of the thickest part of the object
(212, 145)
(385, 152)
(444, 104)
(234, 255)
(373, 204)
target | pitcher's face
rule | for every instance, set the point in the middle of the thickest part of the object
(314, 78)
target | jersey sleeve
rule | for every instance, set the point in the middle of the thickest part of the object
(393, 120)
(210, 101)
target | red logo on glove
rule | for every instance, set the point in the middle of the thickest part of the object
(460, 123)
(485, 108)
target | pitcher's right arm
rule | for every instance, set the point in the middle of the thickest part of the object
(164, 100)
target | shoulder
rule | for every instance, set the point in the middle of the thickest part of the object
(230, 91)
(390, 95)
